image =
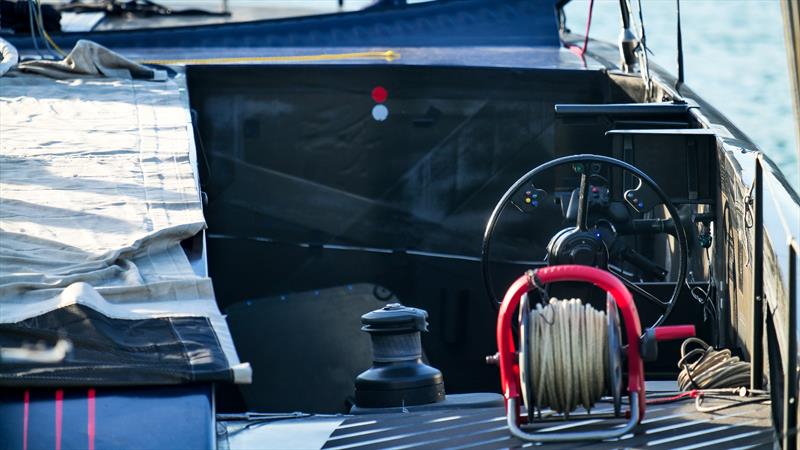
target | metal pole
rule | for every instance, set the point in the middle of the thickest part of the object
(680, 48)
(757, 339)
(627, 40)
(790, 375)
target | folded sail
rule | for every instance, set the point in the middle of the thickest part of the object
(98, 188)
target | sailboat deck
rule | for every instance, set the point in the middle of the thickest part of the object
(667, 426)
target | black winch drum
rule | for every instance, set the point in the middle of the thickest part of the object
(398, 377)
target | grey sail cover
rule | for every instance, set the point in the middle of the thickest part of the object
(98, 188)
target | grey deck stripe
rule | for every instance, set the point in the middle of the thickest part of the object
(667, 417)
(477, 444)
(400, 436)
(359, 433)
(763, 444)
(706, 418)
(697, 433)
(356, 424)
(405, 423)
(735, 437)
(446, 438)
(373, 441)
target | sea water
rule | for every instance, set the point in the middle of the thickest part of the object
(734, 57)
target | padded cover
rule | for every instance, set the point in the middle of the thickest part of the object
(97, 190)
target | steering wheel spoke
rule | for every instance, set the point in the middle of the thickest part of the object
(583, 204)
(645, 264)
(622, 251)
(647, 227)
(641, 291)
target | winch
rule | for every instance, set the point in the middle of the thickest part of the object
(398, 377)
(571, 355)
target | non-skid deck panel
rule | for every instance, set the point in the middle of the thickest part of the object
(666, 426)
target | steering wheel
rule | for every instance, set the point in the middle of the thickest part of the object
(598, 244)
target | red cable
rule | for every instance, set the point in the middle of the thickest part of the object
(694, 393)
(580, 51)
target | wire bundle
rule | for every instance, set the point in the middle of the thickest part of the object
(37, 24)
(711, 369)
(568, 357)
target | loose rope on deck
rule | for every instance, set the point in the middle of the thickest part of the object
(710, 369)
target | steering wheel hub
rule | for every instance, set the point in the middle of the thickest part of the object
(573, 246)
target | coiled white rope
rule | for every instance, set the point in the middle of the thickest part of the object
(711, 369)
(568, 357)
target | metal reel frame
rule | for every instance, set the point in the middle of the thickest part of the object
(614, 356)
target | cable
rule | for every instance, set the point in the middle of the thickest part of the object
(644, 59)
(703, 295)
(42, 31)
(713, 369)
(569, 345)
(36, 22)
(580, 51)
(48, 40)
(673, 398)
(33, 30)
(735, 397)
(732, 398)
(255, 420)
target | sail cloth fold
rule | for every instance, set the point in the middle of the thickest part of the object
(98, 188)
(88, 58)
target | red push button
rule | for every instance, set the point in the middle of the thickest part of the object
(379, 94)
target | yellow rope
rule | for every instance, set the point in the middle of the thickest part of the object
(56, 47)
(46, 35)
(387, 55)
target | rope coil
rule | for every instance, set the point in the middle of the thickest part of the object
(568, 357)
(711, 369)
